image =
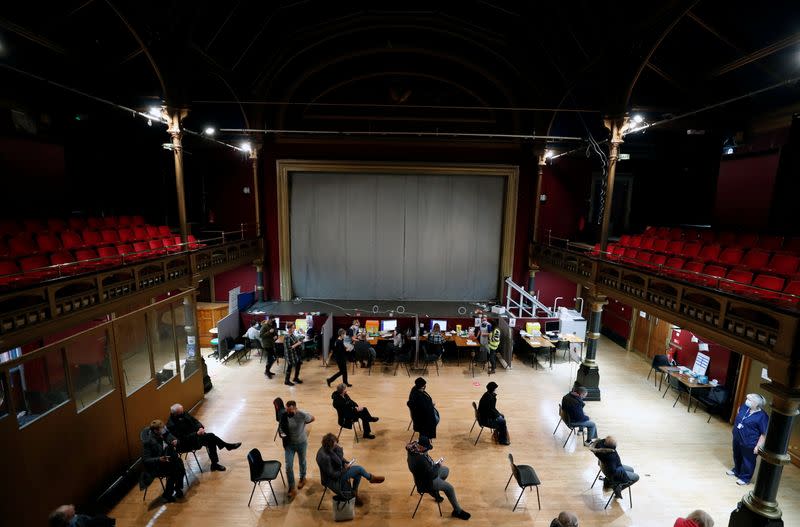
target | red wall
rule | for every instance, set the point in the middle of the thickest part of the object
(745, 189)
(551, 285)
(566, 184)
(720, 356)
(617, 318)
(244, 277)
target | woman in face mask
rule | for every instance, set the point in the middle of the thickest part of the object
(749, 432)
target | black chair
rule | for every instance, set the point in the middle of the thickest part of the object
(715, 399)
(345, 422)
(261, 470)
(422, 493)
(405, 362)
(564, 418)
(675, 384)
(562, 345)
(478, 422)
(431, 358)
(163, 489)
(142, 438)
(658, 361)
(185, 455)
(479, 357)
(280, 409)
(616, 488)
(526, 477)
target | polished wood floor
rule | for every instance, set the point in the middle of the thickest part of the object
(681, 459)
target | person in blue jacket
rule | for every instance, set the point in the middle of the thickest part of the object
(749, 432)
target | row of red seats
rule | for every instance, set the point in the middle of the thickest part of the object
(26, 243)
(56, 225)
(36, 268)
(781, 263)
(748, 240)
(737, 280)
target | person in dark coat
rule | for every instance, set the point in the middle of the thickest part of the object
(488, 415)
(423, 410)
(160, 459)
(430, 476)
(340, 356)
(267, 335)
(338, 474)
(191, 435)
(572, 404)
(616, 473)
(349, 410)
(65, 516)
(565, 519)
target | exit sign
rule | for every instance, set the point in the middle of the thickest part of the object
(624, 157)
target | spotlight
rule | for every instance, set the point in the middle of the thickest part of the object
(210, 130)
(549, 154)
(155, 111)
(245, 147)
(149, 122)
(638, 119)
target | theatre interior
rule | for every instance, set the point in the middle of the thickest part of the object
(485, 202)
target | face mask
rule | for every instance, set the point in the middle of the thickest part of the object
(750, 404)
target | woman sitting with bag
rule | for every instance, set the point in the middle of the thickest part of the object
(337, 472)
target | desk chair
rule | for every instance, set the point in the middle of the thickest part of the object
(261, 470)
(525, 477)
(616, 488)
(477, 421)
(437, 498)
(658, 361)
(564, 418)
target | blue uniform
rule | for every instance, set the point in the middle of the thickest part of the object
(747, 428)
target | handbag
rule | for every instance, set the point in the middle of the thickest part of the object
(343, 508)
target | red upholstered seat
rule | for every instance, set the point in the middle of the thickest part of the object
(193, 245)
(708, 236)
(91, 238)
(88, 258)
(71, 240)
(123, 221)
(690, 235)
(56, 225)
(152, 232)
(142, 249)
(661, 245)
(709, 253)
(617, 251)
(674, 265)
(692, 270)
(755, 259)
(76, 224)
(635, 241)
(94, 223)
(125, 235)
(173, 246)
(674, 247)
(691, 250)
(139, 233)
(782, 263)
(137, 220)
(658, 260)
(126, 251)
(741, 277)
(713, 271)
(164, 231)
(768, 286)
(625, 240)
(48, 243)
(731, 256)
(648, 243)
(66, 261)
(629, 254)
(770, 242)
(792, 288)
(676, 233)
(21, 245)
(747, 240)
(37, 267)
(109, 255)
(726, 238)
(10, 274)
(110, 222)
(34, 226)
(109, 236)
(156, 247)
(644, 258)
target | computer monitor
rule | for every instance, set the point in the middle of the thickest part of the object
(442, 324)
(554, 326)
(388, 325)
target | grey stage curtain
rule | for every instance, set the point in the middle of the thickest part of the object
(395, 237)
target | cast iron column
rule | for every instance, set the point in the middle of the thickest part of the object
(759, 508)
(618, 126)
(589, 373)
(174, 117)
(257, 204)
(538, 197)
(259, 280)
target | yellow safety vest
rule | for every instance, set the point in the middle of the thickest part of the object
(494, 340)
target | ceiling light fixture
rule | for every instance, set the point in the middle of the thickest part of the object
(155, 111)
(549, 154)
(245, 147)
(638, 118)
(210, 130)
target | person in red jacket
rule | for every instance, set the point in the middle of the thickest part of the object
(696, 518)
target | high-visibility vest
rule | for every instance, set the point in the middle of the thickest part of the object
(494, 340)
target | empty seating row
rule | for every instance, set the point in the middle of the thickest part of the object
(767, 242)
(56, 225)
(36, 268)
(26, 243)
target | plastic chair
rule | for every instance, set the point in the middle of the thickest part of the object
(350, 424)
(658, 361)
(714, 399)
(261, 470)
(616, 488)
(437, 498)
(564, 418)
(525, 477)
(477, 421)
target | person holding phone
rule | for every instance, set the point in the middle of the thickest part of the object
(160, 459)
(339, 474)
(430, 475)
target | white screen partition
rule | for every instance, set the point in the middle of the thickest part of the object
(403, 237)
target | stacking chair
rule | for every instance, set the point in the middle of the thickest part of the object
(422, 493)
(525, 477)
(347, 423)
(616, 488)
(478, 422)
(658, 361)
(676, 385)
(261, 470)
(163, 489)
(715, 399)
(564, 418)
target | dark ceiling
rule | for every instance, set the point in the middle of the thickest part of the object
(435, 67)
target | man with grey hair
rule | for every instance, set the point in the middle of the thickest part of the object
(565, 519)
(65, 516)
(191, 435)
(573, 404)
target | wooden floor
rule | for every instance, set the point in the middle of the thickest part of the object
(681, 459)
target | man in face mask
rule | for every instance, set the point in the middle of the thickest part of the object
(191, 435)
(160, 459)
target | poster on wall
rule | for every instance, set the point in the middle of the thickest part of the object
(190, 345)
(233, 300)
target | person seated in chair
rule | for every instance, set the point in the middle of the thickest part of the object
(435, 342)
(616, 473)
(341, 476)
(696, 518)
(565, 519)
(488, 415)
(573, 404)
(364, 353)
(191, 435)
(160, 459)
(429, 475)
(65, 516)
(348, 409)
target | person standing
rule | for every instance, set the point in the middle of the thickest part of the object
(494, 345)
(749, 434)
(490, 416)
(341, 476)
(293, 354)
(484, 330)
(429, 475)
(295, 441)
(268, 334)
(424, 414)
(340, 356)
(572, 404)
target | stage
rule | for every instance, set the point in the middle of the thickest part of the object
(370, 308)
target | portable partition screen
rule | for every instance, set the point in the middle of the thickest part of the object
(387, 237)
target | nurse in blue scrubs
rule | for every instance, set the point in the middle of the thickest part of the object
(749, 432)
